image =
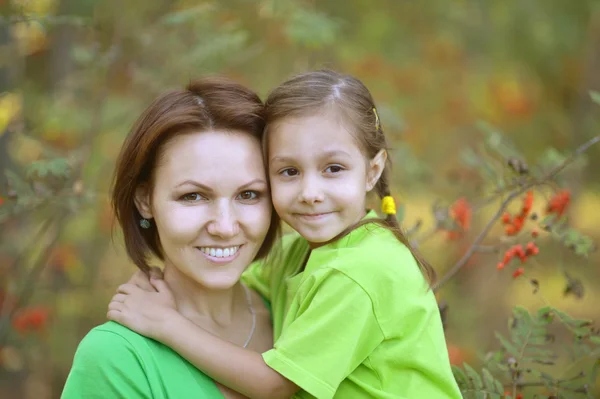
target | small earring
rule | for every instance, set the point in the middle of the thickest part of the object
(145, 223)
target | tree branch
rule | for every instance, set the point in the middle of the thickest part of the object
(481, 236)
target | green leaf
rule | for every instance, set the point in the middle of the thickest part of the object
(5, 212)
(595, 339)
(510, 348)
(312, 29)
(571, 237)
(469, 157)
(548, 220)
(57, 167)
(595, 97)
(20, 186)
(460, 377)
(490, 383)
(544, 315)
(186, 15)
(473, 376)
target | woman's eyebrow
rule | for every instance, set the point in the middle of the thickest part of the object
(253, 182)
(209, 190)
(195, 183)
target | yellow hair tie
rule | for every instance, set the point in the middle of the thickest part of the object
(388, 205)
(377, 124)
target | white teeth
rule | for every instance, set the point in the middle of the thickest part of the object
(219, 252)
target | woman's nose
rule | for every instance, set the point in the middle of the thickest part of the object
(225, 223)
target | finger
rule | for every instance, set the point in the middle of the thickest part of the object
(115, 315)
(140, 279)
(159, 285)
(156, 273)
(117, 306)
(119, 298)
(129, 289)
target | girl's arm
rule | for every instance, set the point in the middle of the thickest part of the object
(238, 368)
(152, 314)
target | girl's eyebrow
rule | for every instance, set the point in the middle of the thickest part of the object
(280, 159)
(326, 154)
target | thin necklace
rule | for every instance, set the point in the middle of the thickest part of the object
(251, 308)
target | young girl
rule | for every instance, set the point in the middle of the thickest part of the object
(353, 313)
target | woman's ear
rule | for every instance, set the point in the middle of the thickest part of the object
(142, 201)
(375, 168)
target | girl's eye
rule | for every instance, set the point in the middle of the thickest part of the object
(248, 195)
(334, 169)
(192, 197)
(289, 172)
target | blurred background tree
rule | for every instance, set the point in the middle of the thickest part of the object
(74, 75)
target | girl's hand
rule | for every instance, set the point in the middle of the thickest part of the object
(142, 279)
(145, 312)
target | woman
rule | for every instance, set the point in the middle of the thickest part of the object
(190, 189)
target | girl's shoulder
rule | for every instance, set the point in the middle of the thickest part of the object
(378, 262)
(377, 247)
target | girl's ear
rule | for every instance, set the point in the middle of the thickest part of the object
(142, 201)
(375, 168)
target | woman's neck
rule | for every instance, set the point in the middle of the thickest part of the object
(200, 304)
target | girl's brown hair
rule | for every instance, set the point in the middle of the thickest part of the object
(328, 91)
(205, 104)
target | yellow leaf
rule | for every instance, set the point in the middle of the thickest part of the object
(10, 108)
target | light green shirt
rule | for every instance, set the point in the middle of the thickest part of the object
(114, 362)
(358, 322)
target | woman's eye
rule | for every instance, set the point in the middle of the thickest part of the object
(289, 172)
(248, 195)
(192, 197)
(334, 169)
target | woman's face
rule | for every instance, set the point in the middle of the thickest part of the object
(211, 205)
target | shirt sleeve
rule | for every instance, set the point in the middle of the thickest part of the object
(334, 331)
(106, 366)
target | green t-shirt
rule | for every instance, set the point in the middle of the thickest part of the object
(359, 321)
(114, 362)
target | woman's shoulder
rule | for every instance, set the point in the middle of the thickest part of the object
(117, 360)
(103, 342)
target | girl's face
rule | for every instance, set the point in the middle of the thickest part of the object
(211, 205)
(319, 176)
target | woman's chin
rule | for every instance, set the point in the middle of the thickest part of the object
(219, 281)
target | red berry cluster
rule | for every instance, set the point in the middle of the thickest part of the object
(31, 319)
(509, 395)
(558, 203)
(517, 251)
(514, 224)
(461, 212)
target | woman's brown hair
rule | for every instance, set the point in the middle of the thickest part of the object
(205, 104)
(329, 91)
